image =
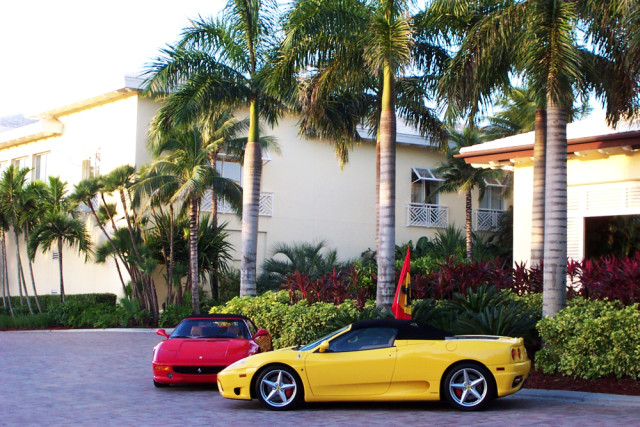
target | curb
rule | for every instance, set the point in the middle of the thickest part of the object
(583, 397)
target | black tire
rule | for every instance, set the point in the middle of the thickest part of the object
(468, 387)
(160, 385)
(279, 388)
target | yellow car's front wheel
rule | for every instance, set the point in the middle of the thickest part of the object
(279, 388)
(469, 387)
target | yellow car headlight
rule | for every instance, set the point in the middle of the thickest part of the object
(236, 364)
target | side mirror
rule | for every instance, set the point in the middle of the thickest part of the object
(162, 333)
(261, 333)
(323, 347)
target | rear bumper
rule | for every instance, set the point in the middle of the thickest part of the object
(511, 377)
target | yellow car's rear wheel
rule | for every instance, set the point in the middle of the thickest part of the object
(469, 386)
(279, 388)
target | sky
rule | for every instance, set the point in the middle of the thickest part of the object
(54, 52)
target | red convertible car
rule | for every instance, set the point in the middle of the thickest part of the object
(202, 345)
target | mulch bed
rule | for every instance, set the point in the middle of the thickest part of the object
(539, 380)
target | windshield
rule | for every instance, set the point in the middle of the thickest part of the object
(211, 328)
(326, 337)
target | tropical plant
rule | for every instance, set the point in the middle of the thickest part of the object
(222, 63)
(458, 176)
(58, 227)
(184, 173)
(12, 206)
(351, 56)
(539, 39)
(311, 259)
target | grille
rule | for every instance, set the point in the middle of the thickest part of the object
(193, 370)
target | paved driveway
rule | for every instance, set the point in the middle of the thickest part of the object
(103, 377)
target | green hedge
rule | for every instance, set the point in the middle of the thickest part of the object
(591, 339)
(47, 301)
(288, 324)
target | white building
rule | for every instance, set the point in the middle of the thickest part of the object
(306, 197)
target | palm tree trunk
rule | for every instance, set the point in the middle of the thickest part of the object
(33, 282)
(5, 271)
(555, 214)
(386, 255)
(250, 205)
(467, 223)
(537, 213)
(214, 198)
(62, 297)
(106, 208)
(113, 246)
(378, 191)
(193, 253)
(21, 281)
(169, 261)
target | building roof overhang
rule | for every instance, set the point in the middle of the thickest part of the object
(41, 129)
(48, 124)
(503, 153)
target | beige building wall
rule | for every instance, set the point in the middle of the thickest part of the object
(313, 198)
(598, 184)
(108, 135)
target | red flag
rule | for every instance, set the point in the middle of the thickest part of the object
(401, 306)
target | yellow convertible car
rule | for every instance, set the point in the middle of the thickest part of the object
(382, 360)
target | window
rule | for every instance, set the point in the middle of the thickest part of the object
(493, 196)
(91, 166)
(364, 339)
(40, 170)
(230, 170)
(20, 163)
(423, 185)
(3, 167)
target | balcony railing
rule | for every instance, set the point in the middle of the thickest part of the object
(428, 216)
(486, 219)
(265, 208)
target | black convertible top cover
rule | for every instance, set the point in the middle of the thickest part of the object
(216, 316)
(407, 329)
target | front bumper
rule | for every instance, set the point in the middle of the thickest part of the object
(235, 384)
(167, 375)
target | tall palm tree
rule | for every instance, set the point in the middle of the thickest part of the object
(353, 50)
(12, 207)
(4, 226)
(539, 39)
(222, 62)
(458, 176)
(58, 227)
(185, 170)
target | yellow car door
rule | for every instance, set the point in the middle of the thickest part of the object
(357, 363)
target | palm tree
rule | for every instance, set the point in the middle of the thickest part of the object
(4, 226)
(58, 227)
(356, 51)
(86, 191)
(458, 176)
(221, 62)
(185, 171)
(312, 259)
(12, 207)
(539, 39)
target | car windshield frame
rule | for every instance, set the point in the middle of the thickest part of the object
(187, 324)
(316, 343)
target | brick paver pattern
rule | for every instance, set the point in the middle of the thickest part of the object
(103, 378)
